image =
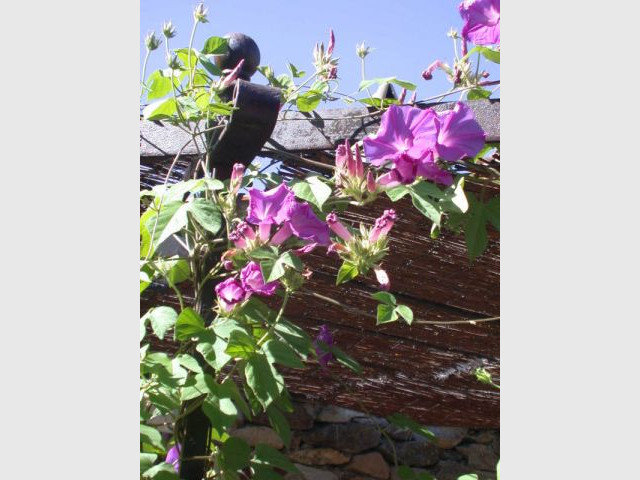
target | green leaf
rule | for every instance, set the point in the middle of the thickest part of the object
(234, 454)
(207, 214)
(183, 56)
(272, 271)
(158, 85)
(265, 253)
(309, 100)
(406, 473)
(146, 461)
(396, 193)
(240, 345)
(265, 455)
(456, 197)
(171, 219)
(348, 271)
(405, 312)
(215, 46)
(427, 208)
(498, 470)
(427, 189)
(313, 190)
(403, 421)
(297, 338)
(160, 110)
(279, 424)
(469, 476)
(279, 352)
(189, 324)
(386, 314)
(492, 212)
(206, 350)
(265, 473)
(162, 471)
(151, 436)
(377, 81)
(190, 363)
(486, 52)
(261, 380)
(195, 387)
(209, 66)
(475, 230)
(162, 319)
(384, 297)
(478, 94)
(295, 73)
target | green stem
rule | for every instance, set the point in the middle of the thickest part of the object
(144, 72)
(193, 34)
(287, 294)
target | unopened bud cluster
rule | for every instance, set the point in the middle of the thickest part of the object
(151, 41)
(366, 248)
(351, 178)
(326, 66)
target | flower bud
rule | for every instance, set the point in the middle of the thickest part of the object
(236, 178)
(358, 163)
(324, 336)
(371, 182)
(428, 73)
(483, 376)
(452, 33)
(402, 96)
(232, 75)
(383, 278)
(332, 42)
(382, 225)
(333, 73)
(362, 50)
(337, 227)
(151, 41)
(200, 14)
(228, 265)
(238, 239)
(168, 29)
(173, 63)
(484, 74)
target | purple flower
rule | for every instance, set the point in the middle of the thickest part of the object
(406, 169)
(459, 134)
(173, 457)
(324, 336)
(268, 206)
(382, 225)
(481, 21)
(403, 129)
(230, 293)
(305, 225)
(253, 280)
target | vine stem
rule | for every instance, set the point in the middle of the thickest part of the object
(287, 294)
(144, 72)
(423, 322)
(193, 34)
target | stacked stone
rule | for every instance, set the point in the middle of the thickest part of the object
(335, 443)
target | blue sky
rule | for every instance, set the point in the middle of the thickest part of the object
(407, 35)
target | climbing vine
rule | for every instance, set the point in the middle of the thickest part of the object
(244, 240)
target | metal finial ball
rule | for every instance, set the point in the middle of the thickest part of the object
(240, 46)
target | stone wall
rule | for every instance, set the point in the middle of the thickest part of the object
(334, 443)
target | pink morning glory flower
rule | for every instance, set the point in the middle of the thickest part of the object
(268, 207)
(406, 169)
(173, 457)
(459, 134)
(403, 129)
(253, 280)
(305, 225)
(230, 293)
(324, 335)
(481, 21)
